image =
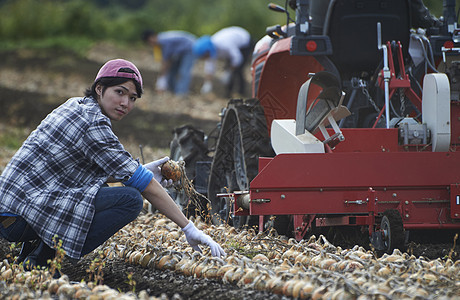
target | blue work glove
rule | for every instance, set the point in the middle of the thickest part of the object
(155, 167)
(195, 237)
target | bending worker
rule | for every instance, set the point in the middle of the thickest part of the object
(54, 186)
(176, 51)
(233, 45)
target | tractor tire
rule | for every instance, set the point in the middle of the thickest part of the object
(188, 145)
(243, 138)
(393, 230)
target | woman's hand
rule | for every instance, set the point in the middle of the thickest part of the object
(195, 237)
(155, 167)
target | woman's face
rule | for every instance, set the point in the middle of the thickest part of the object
(117, 101)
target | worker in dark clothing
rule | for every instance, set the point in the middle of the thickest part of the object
(421, 16)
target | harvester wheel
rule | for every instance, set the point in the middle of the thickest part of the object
(188, 145)
(242, 139)
(393, 231)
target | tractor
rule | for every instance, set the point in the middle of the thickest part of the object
(354, 123)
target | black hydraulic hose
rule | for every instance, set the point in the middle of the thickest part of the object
(430, 50)
(414, 80)
(428, 62)
(394, 110)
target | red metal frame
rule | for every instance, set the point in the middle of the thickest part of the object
(402, 82)
(455, 125)
(364, 175)
(455, 201)
(349, 187)
(417, 184)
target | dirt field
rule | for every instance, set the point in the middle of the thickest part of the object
(33, 83)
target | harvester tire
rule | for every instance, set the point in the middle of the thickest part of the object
(243, 137)
(392, 227)
(188, 145)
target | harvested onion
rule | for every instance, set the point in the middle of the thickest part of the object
(171, 170)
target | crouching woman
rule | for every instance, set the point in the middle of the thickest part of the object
(54, 186)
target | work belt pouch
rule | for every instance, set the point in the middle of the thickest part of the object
(7, 221)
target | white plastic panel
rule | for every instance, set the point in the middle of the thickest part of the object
(436, 110)
(284, 140)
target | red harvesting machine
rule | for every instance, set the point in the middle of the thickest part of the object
(354, 123)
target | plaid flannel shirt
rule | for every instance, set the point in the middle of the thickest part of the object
(53, 178)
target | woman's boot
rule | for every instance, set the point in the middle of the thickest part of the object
(39, 257)
(26, 248)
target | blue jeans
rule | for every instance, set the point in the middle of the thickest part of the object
(114, 208)
(19, 231)
(180, 73)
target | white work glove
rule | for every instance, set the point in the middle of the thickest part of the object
(162, 83)
(155, 167)
(207, 87)
(195, 237)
